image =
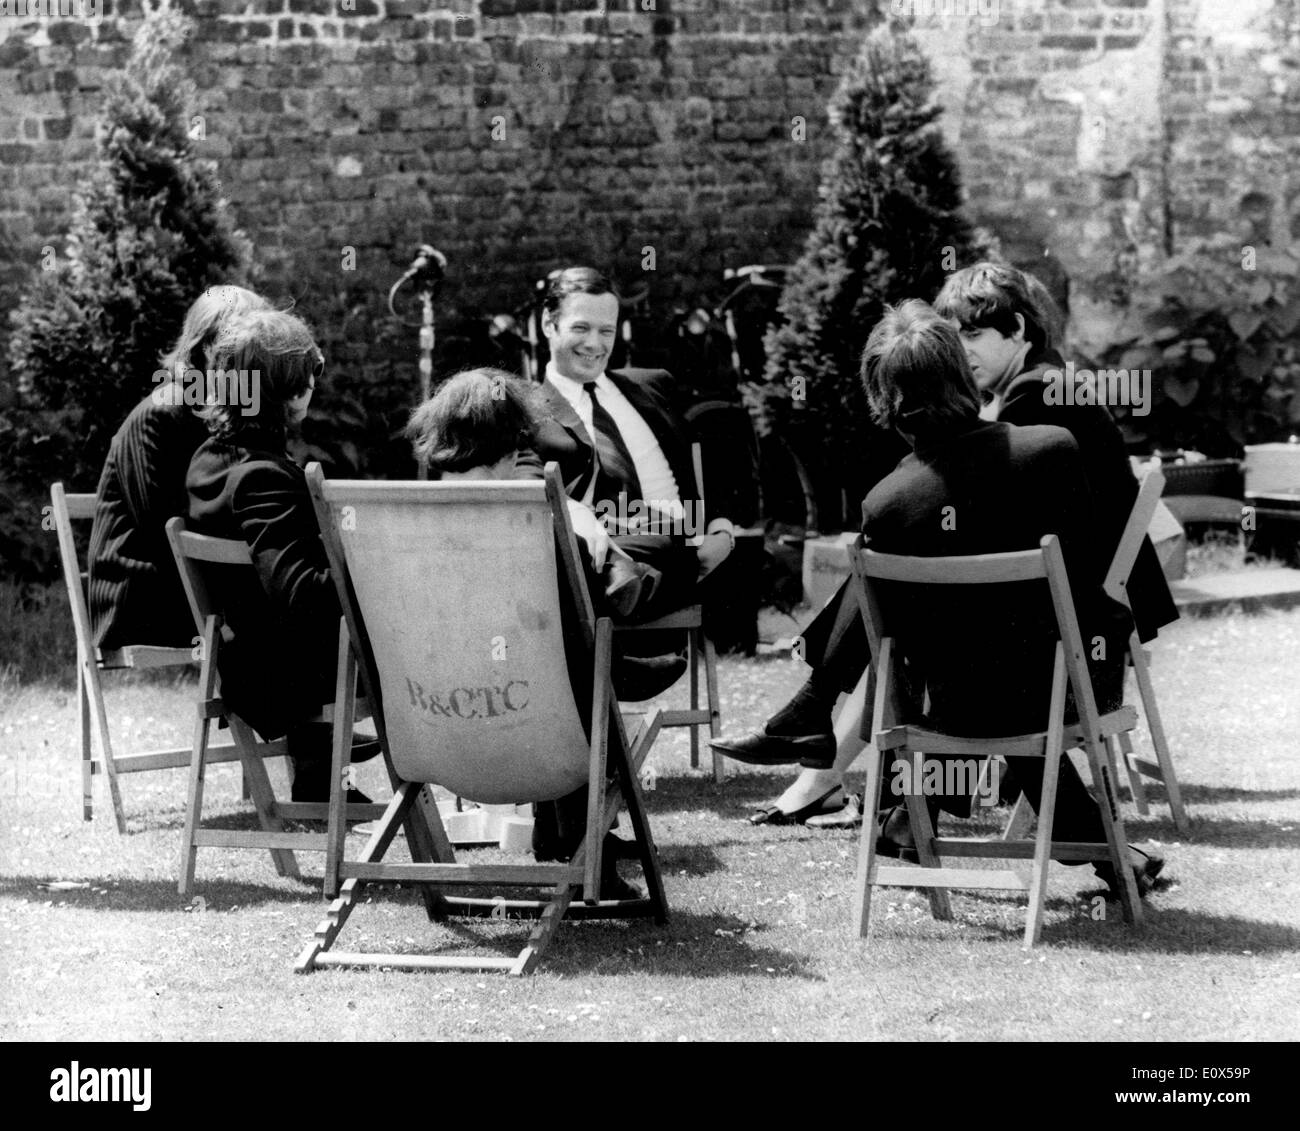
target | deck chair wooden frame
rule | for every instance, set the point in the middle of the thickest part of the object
(92, 662)
(1139, 659)
(189, 550)
(897, 740)
(698, 647)
(609, 746)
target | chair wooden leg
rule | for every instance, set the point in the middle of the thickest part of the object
(193, 805)
(337, 915)
(715, 706)
(263, 795)
(630, 783)
(1053, 753)
(87, 754)
(345, 691)
(1116, 838)
(1147, 693)
(1022, 817)
(1135, 786)
(602, 707)
(693, 664)
(91, 675)
(918, 814)
(867, 843)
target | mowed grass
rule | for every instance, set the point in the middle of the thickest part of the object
(758, 946)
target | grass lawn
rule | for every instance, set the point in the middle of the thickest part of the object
(758, 945)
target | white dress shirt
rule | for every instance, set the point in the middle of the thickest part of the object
(653, 471)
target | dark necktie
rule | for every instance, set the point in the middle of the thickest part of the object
(615, 471)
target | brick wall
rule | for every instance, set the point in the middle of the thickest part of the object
(1099, 132)
(512, 137)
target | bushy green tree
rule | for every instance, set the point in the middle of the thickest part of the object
(889, 226)
(149, 232)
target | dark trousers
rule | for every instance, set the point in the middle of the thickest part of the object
(835, 644)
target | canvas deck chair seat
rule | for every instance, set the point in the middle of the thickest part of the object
(699, 651)
(195, 554)
(453, 594)
(901, 739)
(92, 662)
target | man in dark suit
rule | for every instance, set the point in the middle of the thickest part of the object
(280, 638)
(1005, 319)
(974, 487)
(623, 451)
(620, 446)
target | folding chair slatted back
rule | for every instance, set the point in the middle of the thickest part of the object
(65, 509)
(905, 737)
(477, 696)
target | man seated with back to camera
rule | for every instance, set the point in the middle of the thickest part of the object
(473, 429)
(279, 652)
(1004, 488)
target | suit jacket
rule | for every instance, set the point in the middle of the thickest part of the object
(562, 437)
(1110, 479)
(278, 664)
(134, 593)
(985, 655)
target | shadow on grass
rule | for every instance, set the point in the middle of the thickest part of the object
(1215, 794)
(160, 895)
(739, 795)
(691, 944)
(1171, 931)
(1222, 832)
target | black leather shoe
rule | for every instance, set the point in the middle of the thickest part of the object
(1144, 873)
(626, 584)
(758, 748)
(895, 838)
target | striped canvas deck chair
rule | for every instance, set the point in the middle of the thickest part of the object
(905, 742)
(454, 593)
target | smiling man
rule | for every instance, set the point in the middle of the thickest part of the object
(621, 448)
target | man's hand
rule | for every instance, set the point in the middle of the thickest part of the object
(713, 550)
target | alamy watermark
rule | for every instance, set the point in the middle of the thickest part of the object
(217, 386)
(986, 12)
(75, 1084)
(651, 516)
(1129, 387)
(950, 777)
(52, 9)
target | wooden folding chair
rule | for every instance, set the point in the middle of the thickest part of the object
(698, 646)
(1116, 586)
(1138, 658)
(194, 553)
(91, 661)
(452, 593)
(901, 740)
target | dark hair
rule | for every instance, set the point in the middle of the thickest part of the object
(992, 294)
(275, 346)
(202, 322)
(475, 419)
(915, 369)
(574, 281)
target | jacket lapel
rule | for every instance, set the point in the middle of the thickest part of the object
(563, 414)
